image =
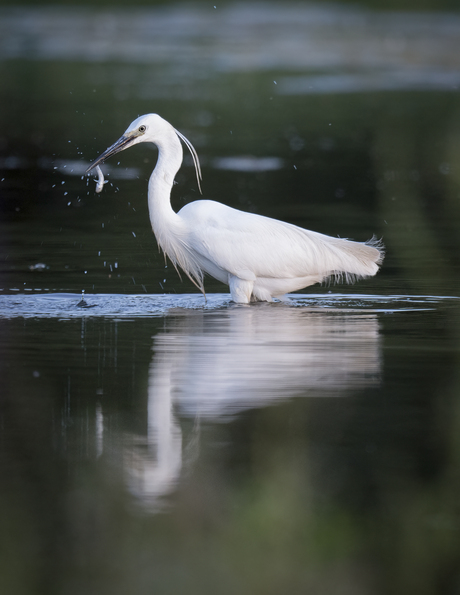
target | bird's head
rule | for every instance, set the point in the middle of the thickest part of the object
(149, 128)
(140, 131)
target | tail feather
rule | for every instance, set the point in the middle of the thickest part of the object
(357, 260)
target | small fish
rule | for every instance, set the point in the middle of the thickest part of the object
(100, 179)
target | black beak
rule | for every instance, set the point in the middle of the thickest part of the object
(122, 143)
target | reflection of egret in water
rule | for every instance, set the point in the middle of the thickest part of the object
(215, 364)
(154, 463)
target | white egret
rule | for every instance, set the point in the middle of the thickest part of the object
(258, 257)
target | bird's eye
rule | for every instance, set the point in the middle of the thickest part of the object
(142, 128)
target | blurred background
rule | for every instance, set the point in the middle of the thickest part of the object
(193, 449)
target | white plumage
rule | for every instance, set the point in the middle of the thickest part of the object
(258, 257)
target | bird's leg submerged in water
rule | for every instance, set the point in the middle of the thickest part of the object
(241, 289)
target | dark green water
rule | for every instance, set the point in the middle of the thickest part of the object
(152, 443)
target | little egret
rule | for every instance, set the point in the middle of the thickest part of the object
(258, 257)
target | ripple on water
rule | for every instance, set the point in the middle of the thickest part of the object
(66, 305)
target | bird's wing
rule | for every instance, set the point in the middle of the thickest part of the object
(250, 246)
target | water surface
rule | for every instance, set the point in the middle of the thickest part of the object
(161, 443)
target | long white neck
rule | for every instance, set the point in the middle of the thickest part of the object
(161, 181)
(170, 230)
